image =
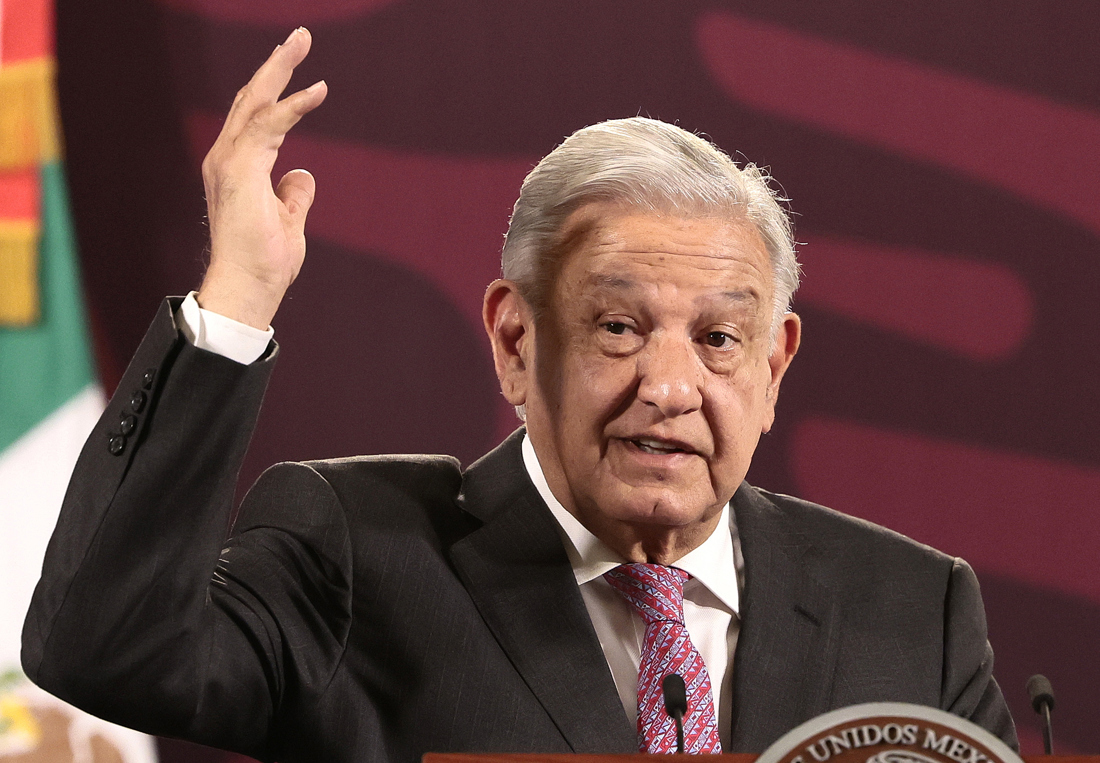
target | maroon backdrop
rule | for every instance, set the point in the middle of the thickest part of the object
(942, 158)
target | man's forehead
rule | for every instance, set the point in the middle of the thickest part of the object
(604, 226)
(596, 283)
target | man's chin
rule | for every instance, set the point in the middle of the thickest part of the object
(657, 528)
(660, 507)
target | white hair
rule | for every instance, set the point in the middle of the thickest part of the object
(648, 165)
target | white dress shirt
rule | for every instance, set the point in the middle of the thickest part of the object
(711, 596)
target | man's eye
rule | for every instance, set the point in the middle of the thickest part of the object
(718, 339)
(615, 328)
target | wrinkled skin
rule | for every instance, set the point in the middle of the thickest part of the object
(650, 377)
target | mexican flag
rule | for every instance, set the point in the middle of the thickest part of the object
(49, 397)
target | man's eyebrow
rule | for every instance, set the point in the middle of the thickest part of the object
(610, 282)
(740, 295)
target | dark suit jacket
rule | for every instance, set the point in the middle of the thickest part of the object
(378, 608)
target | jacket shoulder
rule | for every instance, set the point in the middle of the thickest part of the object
(405, 493)
(412, 474)
(859, 560)
(837, 532)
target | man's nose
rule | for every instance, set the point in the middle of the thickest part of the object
(670, 376)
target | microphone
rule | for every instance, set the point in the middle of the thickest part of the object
(676, 704)
(1042, 702)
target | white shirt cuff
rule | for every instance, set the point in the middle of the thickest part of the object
(216, 333)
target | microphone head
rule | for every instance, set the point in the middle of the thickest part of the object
(1041, 693)
(675, 693)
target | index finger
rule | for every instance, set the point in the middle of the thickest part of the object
(271, 79)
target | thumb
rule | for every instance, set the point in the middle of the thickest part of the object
(296, 191)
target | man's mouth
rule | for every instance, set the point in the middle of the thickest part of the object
(657, 447)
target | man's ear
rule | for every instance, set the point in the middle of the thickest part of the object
(783, 352)
(510, 326)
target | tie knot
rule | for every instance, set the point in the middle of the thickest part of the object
(656, 592)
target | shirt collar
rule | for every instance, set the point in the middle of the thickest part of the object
(712, 563)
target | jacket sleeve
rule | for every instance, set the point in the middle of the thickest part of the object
(144, 614)
(968, 687)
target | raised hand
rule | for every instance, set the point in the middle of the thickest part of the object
(257, 239)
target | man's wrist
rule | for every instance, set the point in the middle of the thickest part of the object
(239, 296)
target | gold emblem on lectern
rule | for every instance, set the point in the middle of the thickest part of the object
(889, 732)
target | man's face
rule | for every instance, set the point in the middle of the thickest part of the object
(654, 374)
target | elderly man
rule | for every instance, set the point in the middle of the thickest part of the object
(379, 608)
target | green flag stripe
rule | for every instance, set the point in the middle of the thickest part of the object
(43, 366)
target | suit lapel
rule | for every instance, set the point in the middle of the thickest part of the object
(519, 577)
(786, 649)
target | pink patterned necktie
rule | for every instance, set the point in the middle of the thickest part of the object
(656, 593)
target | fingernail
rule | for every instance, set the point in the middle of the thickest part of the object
(315, 86)
(290, 36)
